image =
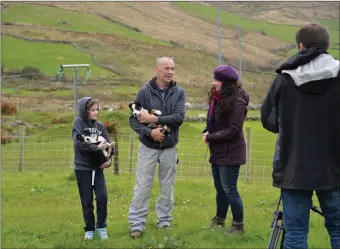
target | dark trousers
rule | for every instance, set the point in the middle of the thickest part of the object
(225, 181)
(84, 180)
(296, 210)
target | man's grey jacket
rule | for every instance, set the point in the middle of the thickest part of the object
(172, 106)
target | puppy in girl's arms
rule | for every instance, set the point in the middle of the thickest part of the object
(136, 109)
(102, 157)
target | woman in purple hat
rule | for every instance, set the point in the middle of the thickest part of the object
(224, 134)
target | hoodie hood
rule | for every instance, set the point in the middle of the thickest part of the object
(310, 65)
(81, 107)
(322, 67)
(153, 84)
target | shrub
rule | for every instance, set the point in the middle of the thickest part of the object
(62, 120)
(8, 108)
(123, 107)
(5, 138)
(31, 72)
(110, 127)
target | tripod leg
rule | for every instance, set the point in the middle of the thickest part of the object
(283, 238)
(273, 238)
(277, 228)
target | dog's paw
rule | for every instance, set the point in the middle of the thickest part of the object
(101, 139)
(152, 126)
(157, 113)
(106, 164)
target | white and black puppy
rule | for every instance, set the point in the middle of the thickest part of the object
(89, 140)
(136, 109)
(98, 158)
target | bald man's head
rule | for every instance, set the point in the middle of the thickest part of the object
(162, 58)
(164, 68)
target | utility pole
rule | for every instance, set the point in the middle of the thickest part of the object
(219, 35)
(75, 91)
(240, 50)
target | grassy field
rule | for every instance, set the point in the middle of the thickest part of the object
(330, 23)
(282, 32)
(53, 18)
(41, 206)
(47, 186)
(43, 210)
(46, 57)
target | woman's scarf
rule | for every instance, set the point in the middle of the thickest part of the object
(215, 97)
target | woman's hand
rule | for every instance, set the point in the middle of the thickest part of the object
(204, 137)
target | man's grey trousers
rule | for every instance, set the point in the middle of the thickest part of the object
(145, 171)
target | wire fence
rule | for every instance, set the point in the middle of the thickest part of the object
(55, 153)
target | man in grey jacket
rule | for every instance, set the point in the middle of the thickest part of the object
(161, 93)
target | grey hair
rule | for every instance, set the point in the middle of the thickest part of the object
(163, 57)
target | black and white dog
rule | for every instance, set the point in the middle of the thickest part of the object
(136, 109)
(100, 157)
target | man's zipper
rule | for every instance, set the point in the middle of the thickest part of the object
(163, 103)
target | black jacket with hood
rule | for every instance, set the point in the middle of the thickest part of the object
(84, 125)
(302, 106)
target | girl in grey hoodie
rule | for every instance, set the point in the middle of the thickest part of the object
(89, 177)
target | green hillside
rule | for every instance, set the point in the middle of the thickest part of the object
(282, 32)
(69, 20)
(47, 58)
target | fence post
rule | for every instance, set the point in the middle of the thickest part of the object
(21, 146)
(248, 152)
(116, 151)
(18, 106)
(131, 151)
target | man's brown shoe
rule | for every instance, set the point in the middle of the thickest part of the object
(136, 233)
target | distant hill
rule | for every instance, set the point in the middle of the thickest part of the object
(122, 39)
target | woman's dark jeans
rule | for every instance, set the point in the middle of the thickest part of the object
(225, 181)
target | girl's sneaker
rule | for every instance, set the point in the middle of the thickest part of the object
(89, 235)
(102, 233)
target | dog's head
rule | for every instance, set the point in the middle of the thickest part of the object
(86, 136)
(84, 139)
(136, 108)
